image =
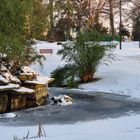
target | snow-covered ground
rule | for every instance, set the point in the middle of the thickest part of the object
(52, 60)
(120, 77)
(124, 128)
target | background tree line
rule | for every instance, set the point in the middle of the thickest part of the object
(21, 21)
(72, 16)
(59, 19)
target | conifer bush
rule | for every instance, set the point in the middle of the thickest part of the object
(17, 34)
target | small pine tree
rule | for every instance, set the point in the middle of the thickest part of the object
(14, 36)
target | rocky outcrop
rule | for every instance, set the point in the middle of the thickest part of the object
(27, 89)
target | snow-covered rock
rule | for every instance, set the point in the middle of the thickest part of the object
(9, 87)
(62, 100)
(43, 80)
(5, 73)
(24, 90)
(3, 69)
(10, 77)
(3, 80)
(28, 70)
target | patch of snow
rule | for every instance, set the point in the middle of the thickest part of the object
(40, 80)
(3, 68)
(9, 87)
(7, 115)
(3, 79)
(24, 90)
(30, 74)
(44, 79)
(62, 100)
(10, 77)
(27, 70)
(52, 61)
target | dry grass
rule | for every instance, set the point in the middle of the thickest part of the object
(40, 133)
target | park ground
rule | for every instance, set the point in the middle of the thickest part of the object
(121, 76)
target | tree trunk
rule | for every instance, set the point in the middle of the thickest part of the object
(51, 16)
(87, 77)
(69, 20)
(111, 19)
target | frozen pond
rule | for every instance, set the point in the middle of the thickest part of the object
(87, 106)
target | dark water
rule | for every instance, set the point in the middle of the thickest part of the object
(87, 106)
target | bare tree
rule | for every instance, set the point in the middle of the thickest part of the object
(111, 15)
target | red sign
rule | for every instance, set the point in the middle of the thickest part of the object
(46, 51)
